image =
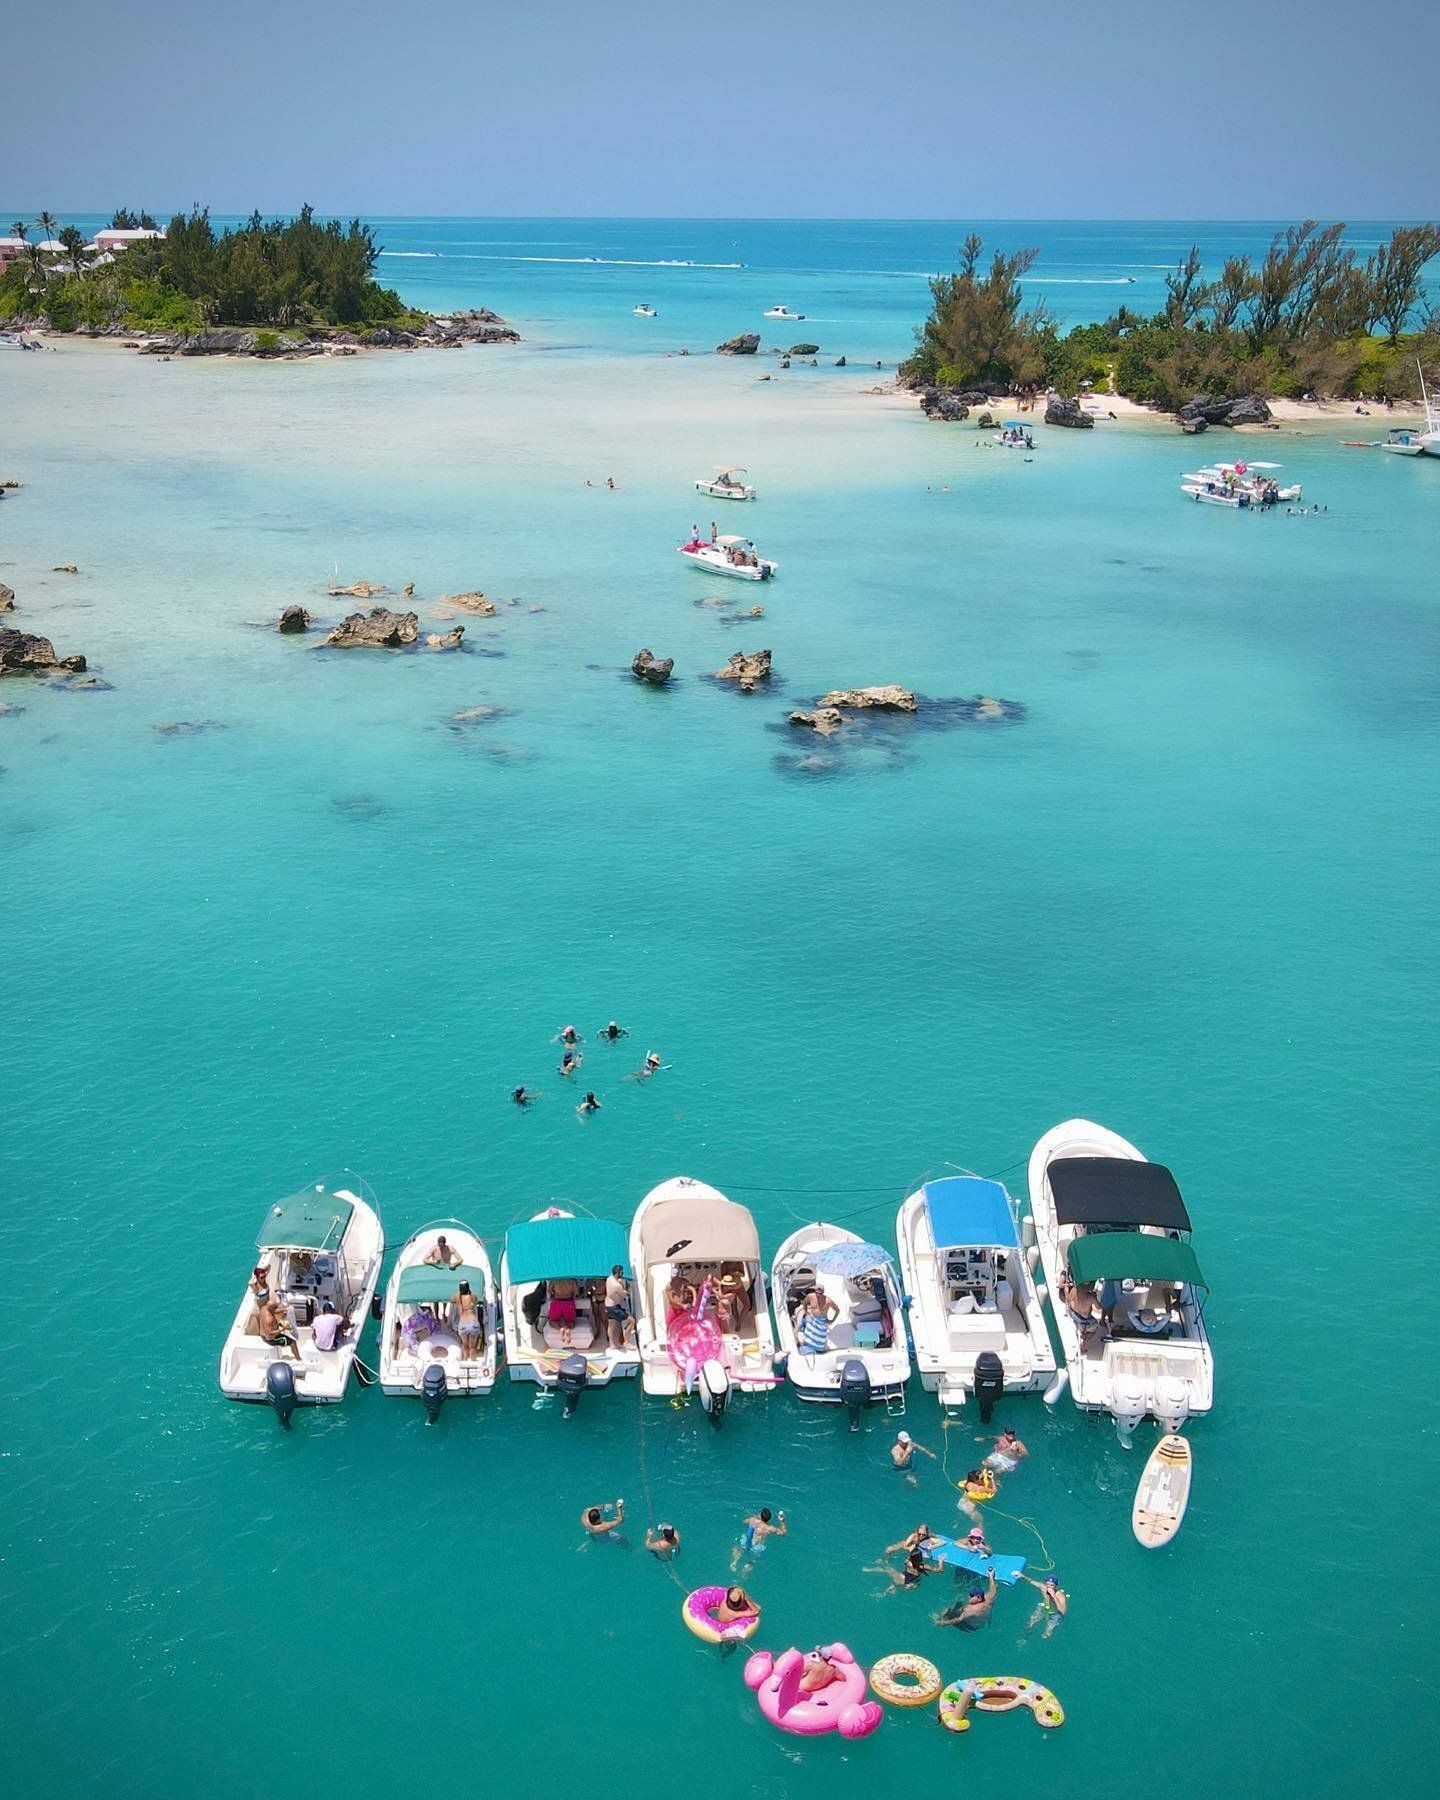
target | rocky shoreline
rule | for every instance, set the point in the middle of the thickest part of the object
(452, 332)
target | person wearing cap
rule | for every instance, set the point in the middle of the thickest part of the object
(1007, 1452)
(1054, 1602)
(329, 1328)
(975, 1542)
(902, 1456)
(975, 1611)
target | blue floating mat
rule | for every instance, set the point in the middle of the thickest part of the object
(1008, 1569)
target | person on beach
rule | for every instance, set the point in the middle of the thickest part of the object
(1054, 1603)
(589, 1104)
(902, 1455)
(469, 1327)
(613, 1033)
(758, 1528)
(442, 1254)
(617, 1308)
(663, 1542)
(594, 1520)
(1007, 1453)
(570, 1062)
(610, 483)
(736, 1607)
(975, 1611)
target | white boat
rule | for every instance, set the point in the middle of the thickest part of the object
(422, 1351)
(732, 556)
(687, 1229)
(867, 1332)
(1404, 440)
(1238, 484)
(321, 1247)
(975, 1317)
(555, 1246)
(646, 312)
(727, 483)
(782, 312)
(1116, 1225)
(1013, 435)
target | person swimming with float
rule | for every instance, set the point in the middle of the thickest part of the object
(651, 1066)
(1054, 1602)
(1007, 1453)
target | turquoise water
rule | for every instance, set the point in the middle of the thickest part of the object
(1191, 894)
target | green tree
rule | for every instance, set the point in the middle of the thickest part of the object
(74, 241)
(977, 331)
(1394, 273)
(49, 226)
(20, 230)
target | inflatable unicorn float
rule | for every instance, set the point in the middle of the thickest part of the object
(792, 1696)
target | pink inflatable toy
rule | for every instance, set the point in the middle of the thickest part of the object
(839, 1706)
(695, 1338)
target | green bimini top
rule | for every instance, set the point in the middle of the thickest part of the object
(312, 1220)
(430, 1281)
(543, 1248)
(1133, 1256)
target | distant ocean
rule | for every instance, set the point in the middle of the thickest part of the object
(1190, 894)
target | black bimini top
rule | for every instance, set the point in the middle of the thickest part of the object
(1112, 1190)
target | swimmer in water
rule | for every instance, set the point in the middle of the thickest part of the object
(589, 1104)
(651, 1066)
(976, 1609)
(567, 1034)
(910, 1573)
(663, 1542)
(570, 1062)
(1008, 1452)
(1054, 1603)
(594, 1520)
(758, 1527)
(613, 1033)
(975, 1542)
(921, 1538)
(523, 1097)
(902, 1454)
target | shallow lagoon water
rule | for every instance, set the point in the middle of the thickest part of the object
(1188, 894)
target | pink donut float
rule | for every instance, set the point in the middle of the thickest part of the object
(839, 1706)
(698, 1611)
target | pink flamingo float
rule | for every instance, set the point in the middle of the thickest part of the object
(840, 1705)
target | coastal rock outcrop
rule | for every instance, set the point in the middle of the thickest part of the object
(293, 619)
(1249, 409)
(803, 350)
(654, 669)
(824, 719)
(940, 403)
(477, 326)
(445, 640)
(839, 362)
(65, 569)
(7, 598)
(1069, 413)
(358, 590)
(869, 699)
(746, 344)
(479, 604)
(378, 629)
(23, 653)
(746, 667)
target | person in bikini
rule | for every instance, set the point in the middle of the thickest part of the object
(469, 1326)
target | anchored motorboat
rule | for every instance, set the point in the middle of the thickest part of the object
(975, 1317)
(733, 556)
(318, 1253)
(702, 1316)
(782, 312)
(727, 483)
(561, 1329)
(1419, 440)
(1014, 435)
(646, 312)
(1404, 440)
(1238, 484)
(1125, 1289)
(847, 1345)
(432, 1343)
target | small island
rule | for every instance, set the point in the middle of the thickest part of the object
(1311, 320)
(270, 288)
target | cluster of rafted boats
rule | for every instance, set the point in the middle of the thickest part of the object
(685, 1301)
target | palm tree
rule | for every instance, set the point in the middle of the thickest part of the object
(49, 224)
(20, 230)
(74, 242)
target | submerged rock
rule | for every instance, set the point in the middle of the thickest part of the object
(65, 569)
(1069, 413)
(823, 719)
(378, 629)
(358, 590)
(7, 711)
(746, 667)
(293, 619)
(654, 669)
(7, 598)
(866, 699)
(746, 344)
(480, 604)
(189, 727)
(470, 716)
(22, 653)
(445, 640)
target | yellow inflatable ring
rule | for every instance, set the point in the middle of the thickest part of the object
(921, 1685)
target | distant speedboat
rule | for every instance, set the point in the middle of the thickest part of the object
(782, 312)
(1404, 440)
(733, 556)
(727, 483)
(646, 312)
(1424, 440)
(1015, 436)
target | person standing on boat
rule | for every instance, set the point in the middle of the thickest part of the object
(469, 1327)
(714, 531)
(617, 1308)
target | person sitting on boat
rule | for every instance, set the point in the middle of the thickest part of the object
(442, 1254)
(679, 1298)
(469, 1326)
(273, 1324)
(1082, 1305)
(422, 1324)
(732, 1296)
(812, 1322)
(259, 1281)
(563, 1292)
(736, 1607)
(329, 1328)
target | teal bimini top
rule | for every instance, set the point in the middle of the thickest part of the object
(541, 1249)
(430, 1281)
(312, 1220)
(1133, 1256)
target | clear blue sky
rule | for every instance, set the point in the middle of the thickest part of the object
(920, 108)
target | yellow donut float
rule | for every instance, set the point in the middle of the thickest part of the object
(906, 1680)
(998, 1693)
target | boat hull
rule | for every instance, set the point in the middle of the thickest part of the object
(816, 1376)
(721, 565)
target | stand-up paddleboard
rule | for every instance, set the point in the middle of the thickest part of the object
(1163, 1493)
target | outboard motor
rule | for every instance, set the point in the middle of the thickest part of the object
(280, 1390)
(1128, 1403)
(989, 1383)
(574, 1372)
(1172, 1402)
(433, 1391)
(854, 1389)
(713, 1385)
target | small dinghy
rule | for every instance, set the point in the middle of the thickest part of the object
(1163, 1493)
